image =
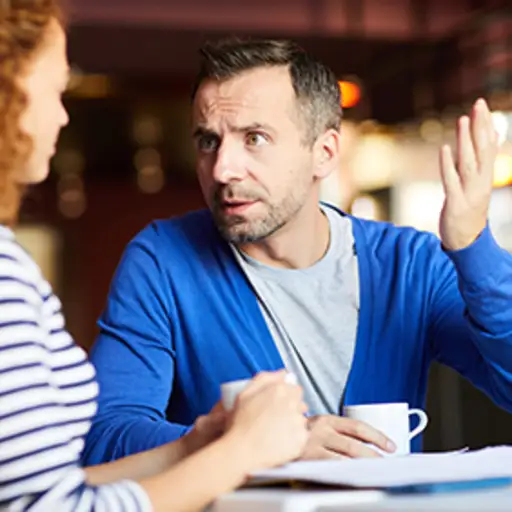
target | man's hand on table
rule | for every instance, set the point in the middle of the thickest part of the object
(333, 437)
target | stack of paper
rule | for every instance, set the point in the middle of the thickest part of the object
(393, 472)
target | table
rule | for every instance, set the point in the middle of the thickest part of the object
(477, 501)
(292, 500)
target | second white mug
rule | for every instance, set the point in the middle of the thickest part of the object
(392, 419)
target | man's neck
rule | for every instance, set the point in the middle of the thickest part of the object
(298, 244)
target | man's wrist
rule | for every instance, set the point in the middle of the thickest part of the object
(463, 240)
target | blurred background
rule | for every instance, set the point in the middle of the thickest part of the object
(407, 68)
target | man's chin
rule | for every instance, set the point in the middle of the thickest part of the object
(238, 234)
(240, 229)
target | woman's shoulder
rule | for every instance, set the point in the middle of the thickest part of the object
(17, 267)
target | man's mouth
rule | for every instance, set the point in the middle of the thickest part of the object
(236, 206)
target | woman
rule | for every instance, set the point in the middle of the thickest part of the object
(47, 387)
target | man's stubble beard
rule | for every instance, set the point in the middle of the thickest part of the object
(240, 230)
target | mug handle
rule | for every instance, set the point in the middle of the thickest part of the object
(422, 415)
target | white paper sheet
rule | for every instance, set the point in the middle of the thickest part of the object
(397, 471)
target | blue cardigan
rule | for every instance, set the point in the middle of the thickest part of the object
(181, 319)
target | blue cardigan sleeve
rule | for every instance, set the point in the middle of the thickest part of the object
(135, 340)
(471, 315)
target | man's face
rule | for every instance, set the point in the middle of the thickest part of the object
(253, 165)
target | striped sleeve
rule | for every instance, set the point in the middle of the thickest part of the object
(42, 421)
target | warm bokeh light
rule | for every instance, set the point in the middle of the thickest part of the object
(350, 93)
(501, 121)
(503, 171)
(366, 207)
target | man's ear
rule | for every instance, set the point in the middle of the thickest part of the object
(326, 151)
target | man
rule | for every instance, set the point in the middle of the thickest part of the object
(269, 278)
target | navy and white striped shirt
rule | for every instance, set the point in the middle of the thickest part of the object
(48, 397)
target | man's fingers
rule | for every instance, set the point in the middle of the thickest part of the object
(467, 160)
(348, 446)
(327, 443)
(319, 452)
(346, 437)
(325, 453)
(449, 175)
(363, 432)
(484, 137)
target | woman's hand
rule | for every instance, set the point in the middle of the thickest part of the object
(268, 422)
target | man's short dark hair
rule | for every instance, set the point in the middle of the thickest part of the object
(315, 85)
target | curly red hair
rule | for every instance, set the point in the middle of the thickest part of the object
(23, 29)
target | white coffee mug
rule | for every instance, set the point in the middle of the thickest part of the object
(392, 420)
(230, 390)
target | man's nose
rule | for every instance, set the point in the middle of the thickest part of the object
(228, 165)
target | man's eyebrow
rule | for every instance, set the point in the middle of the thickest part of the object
(201, 131)
(253, 127)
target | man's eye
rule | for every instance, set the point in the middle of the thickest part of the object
(208, 144)
(255, 139)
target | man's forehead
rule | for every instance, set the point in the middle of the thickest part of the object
(261, 89)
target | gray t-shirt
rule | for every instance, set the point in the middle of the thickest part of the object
(312, 314)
